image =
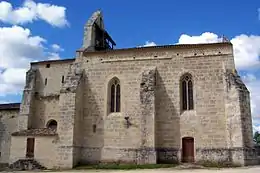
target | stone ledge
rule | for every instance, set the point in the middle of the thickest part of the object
(35, 132)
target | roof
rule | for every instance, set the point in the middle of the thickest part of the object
(175, 46)
(10, 106)
(35, 132)
(54, 61)
(153, 48)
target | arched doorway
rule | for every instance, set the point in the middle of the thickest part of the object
(188, 149)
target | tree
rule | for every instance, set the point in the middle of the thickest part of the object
(257, 138)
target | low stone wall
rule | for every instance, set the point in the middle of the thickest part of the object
(168, 155)
(235, 156)
(218, 155)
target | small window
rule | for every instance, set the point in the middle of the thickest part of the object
(115, 91)
(62, 79)
(48, 65)
(94, 128)
(52, 124)
(45, 81)
(187, 92)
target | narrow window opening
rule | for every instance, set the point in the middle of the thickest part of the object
(187, 92)
(48, 65)
(45, 81)
(62, 79)
(94, 128)
(115, 95)
(112, 106)
(118, 98)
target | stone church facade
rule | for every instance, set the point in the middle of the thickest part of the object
(143, 105)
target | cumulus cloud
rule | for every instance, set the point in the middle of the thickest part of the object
(246, 51)
(56, 48)
(206, 37)
(17, 49)
(31, 11)
(148, 43)
(253, 82)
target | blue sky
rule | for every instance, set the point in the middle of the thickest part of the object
(38, 30)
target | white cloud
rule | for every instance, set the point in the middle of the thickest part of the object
(30, 11)
(56, 48)
(53, 56)
(206, 37)
(148, 43)
(253, 83)
(246, 51)
(17, 49)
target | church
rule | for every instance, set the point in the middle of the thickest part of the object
(141, 105)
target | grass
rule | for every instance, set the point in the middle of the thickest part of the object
(125, 166)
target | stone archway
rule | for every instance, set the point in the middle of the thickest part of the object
(52, 124)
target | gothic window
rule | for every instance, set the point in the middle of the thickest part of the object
(187, 92)
(114, 95)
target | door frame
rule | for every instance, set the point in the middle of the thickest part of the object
(188, 150)
(30, 146)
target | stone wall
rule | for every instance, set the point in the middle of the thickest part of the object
(8, 125)
(150, 98)
(68, 143)
(18, 148)
(46, 98)
(46, 151)
(239, 120)
(205, 123)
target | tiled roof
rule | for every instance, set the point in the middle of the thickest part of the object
(10, 106)
(35, 132)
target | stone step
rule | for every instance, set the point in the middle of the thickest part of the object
(26, 164)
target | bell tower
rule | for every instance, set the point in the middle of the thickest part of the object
(96, 38)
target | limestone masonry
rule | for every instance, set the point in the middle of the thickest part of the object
(143, 105)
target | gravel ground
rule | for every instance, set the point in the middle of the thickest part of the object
(255, 169)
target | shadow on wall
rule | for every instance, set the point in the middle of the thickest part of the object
(92, 127)
(167, 122)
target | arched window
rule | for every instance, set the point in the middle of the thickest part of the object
(52, 124)
(114, 94)
(187, 92)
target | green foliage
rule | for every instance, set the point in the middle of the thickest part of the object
(257, 138)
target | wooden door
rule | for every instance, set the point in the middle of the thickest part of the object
(188, 149)
(30, 148)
